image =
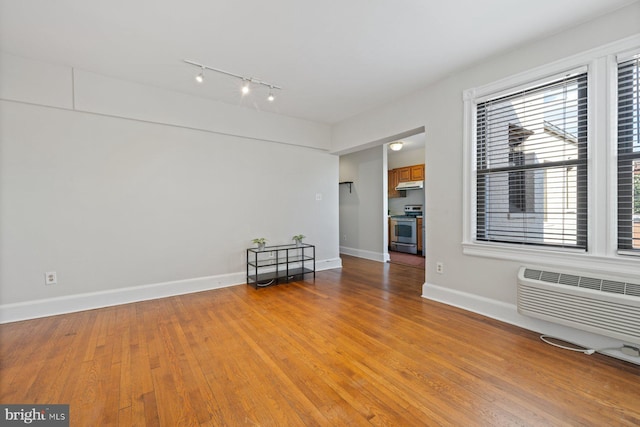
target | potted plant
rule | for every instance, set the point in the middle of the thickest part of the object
(260, 241)
(298, 239)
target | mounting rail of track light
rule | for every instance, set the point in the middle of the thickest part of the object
(245, 80)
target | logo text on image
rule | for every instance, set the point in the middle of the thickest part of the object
(40, 415)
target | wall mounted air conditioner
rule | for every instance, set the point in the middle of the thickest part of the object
(603, 304)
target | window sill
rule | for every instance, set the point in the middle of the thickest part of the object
(567, 258)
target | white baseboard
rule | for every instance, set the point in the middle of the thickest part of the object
(361, 253)
(89, 301)
(328, 264)
(508, 313)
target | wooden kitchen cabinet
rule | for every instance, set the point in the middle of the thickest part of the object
(392, 182)
(417, 172)
(410, 173)
(404, 174)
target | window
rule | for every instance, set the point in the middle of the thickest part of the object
(628, 155)
(552, 163)
(531, 165)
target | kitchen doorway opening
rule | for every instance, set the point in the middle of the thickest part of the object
(364, 204)
(405, 196)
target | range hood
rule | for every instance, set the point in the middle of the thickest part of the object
(410, 185)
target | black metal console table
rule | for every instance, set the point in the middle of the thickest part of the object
(277, 264)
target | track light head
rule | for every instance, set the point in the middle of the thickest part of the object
(245, 87)
(200, 77)
(271, 98)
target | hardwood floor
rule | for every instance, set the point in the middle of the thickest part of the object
(411, 260)
(357, 346)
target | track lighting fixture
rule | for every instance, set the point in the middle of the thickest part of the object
(246, 81)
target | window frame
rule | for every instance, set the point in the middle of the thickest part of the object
(602, 253)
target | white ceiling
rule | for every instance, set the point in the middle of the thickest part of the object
(333, 58)
(410, 143)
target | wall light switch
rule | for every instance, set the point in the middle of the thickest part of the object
(318, 196)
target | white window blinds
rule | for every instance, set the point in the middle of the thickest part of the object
(531, 165)
(628, 156)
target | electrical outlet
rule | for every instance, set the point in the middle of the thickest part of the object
(439, 267)
(50, 278)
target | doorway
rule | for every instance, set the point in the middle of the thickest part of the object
(364, 207)
(405, 160)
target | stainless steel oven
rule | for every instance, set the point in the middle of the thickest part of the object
(404, 236)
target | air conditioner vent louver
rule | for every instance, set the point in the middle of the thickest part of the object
(547, 276)
(604, 305)
(532, 274)
(569, 280)
(613, 286)
(633, 289)
(590, 283)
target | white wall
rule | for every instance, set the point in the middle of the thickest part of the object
(439, 108)
(120, 187)
(413, 197)
(398, 159)
(33, 81)
(363, 211)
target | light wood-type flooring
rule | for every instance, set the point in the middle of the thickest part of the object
(357, 346)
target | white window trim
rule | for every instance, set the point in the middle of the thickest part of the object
(601, 64)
